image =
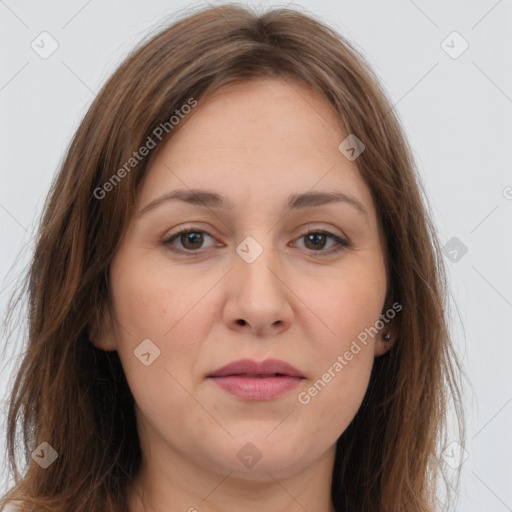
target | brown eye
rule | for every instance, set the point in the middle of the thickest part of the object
(316, 241)
(190, 240)
(194, 238)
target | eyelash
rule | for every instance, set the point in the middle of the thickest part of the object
(341, 243)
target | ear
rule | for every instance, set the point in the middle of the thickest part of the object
(101, 330)
(388, 333)
(381, 345)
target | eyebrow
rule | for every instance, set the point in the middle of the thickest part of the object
(211, 199)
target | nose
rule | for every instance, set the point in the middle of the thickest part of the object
(259, 297)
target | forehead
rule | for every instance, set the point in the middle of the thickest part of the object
(260, 138)
(273, 111)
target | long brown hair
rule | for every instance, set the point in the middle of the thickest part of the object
(75, 397)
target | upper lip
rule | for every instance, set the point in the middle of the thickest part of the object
(250, 367)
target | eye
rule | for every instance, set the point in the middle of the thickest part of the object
(315, 241)
(190, 239)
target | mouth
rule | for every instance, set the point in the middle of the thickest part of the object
(257, 387)
(251, 368)
(250, 380)
(258, 376)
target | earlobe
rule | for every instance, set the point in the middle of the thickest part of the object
(105, 344)
(386, 337)
(102, 336)
(385, 340)
(100, 347)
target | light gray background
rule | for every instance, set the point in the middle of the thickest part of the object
(456, 112)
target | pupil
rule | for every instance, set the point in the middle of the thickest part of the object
(194, 238)
(315, 236)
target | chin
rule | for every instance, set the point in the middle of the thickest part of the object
(254, 459)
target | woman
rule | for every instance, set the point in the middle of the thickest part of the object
(237, 297)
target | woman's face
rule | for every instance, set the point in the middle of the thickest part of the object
(248, 283)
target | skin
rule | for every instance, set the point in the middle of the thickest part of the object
(255, 144)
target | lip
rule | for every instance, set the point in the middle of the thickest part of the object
(240, 378)
(250, 367)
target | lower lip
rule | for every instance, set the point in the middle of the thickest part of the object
(257, 388)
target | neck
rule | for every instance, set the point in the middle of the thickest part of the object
(182, 486)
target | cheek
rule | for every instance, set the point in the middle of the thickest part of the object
(153, 299)
(344, 345)
(159, 303)
(343, 308)
(336, 391)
